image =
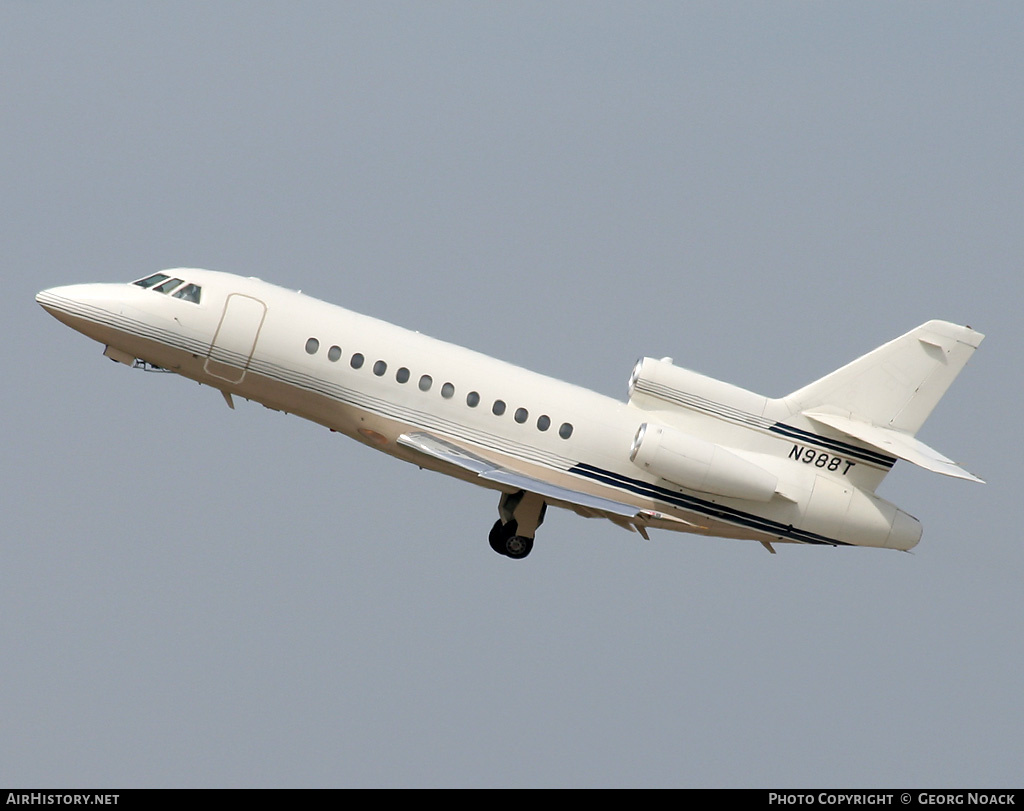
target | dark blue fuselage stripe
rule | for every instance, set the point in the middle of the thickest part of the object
(701, 506)
(833, 444)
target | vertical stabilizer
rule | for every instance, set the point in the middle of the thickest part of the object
(897, 385)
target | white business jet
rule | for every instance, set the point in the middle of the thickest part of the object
(685, 452)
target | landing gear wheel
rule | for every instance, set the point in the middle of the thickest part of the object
(517, 547)
(504, 541)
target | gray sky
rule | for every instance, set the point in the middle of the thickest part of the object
(191, 596)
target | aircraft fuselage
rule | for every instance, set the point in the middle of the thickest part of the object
(749, 468)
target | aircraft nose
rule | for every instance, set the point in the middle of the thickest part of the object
(57, 297)
(87, 308)
(74, 299)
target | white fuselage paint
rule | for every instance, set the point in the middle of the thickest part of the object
(248, 338)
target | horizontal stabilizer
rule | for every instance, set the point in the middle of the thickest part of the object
(896, 443)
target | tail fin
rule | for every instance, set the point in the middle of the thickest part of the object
(884, 397)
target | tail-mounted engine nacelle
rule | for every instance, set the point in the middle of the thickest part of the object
(699, 465)
(653, 383)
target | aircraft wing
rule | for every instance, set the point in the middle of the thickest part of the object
(451, 453)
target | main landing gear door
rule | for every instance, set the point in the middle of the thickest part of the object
(235, 340)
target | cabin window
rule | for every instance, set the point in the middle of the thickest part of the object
(543, 422)
(379, 368)
(472, 399)
(426, 382)
(447, 391)
(498, 408)
(190, 292)
(402, 375)
(565, 431)
(357, 361)
(168, 286)
(521, 415)
(334, 354)
(149, 281)
(312, 345)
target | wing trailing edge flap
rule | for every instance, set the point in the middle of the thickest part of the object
(451, 453)
(894, 442)
(627, 516)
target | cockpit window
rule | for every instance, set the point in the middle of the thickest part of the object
(168, 286)
(178, 288)
(190, 292)
(149, 281)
